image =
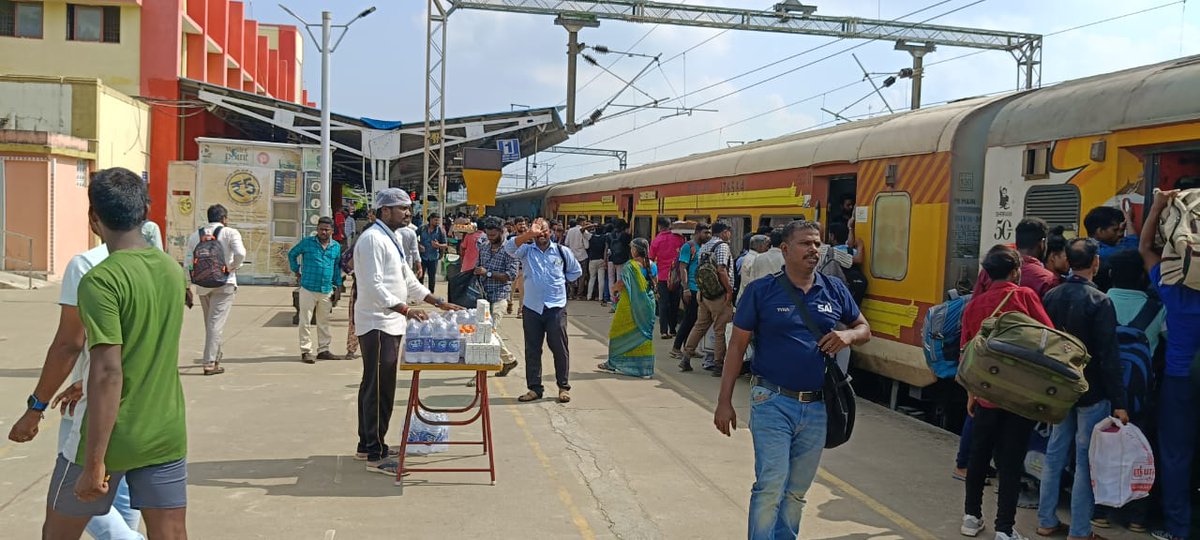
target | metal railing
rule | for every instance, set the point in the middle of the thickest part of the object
(11, 255)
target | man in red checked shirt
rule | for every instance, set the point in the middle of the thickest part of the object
(996, 431)
(1031, 236)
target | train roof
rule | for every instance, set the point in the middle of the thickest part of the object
(1157, 94)
(913, 132)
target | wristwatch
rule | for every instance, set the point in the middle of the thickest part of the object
(489, 274)
(438, 301)
(35, 404)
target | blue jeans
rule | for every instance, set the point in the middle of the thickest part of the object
(788, 439)
(121, 521)
(1179, 412)
(964, 444)
(1077, 426)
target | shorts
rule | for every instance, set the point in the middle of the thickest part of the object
(160, 486)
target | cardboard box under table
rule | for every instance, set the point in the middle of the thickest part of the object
(479, 404)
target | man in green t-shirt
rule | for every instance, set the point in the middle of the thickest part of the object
(131, 305)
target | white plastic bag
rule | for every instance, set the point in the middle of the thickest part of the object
(421, 432)
(1122, 463)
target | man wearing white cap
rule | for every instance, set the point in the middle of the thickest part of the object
(386, 285)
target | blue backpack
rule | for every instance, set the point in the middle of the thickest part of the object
(941, 335)
(1134, 350)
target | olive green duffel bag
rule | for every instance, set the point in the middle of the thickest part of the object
(1024, 367)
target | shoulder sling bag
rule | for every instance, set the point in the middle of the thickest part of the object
(839, 395)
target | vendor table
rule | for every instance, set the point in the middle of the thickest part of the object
(482, 415)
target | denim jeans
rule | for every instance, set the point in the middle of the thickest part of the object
(788, 439)
(121, 521)
(1077, 426)
(964, 444)
(1179, 412)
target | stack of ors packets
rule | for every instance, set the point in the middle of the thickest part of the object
(482, 345)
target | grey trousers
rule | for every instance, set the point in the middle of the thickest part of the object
(216, 304)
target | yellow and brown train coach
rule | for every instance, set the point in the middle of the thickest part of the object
(933, 188)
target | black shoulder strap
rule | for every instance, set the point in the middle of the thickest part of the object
(781, 277)
(217, 232)
(1146, 315)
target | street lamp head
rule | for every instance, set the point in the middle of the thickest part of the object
(293, 14)
(366, 12)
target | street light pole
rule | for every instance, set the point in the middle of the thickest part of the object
(326, 51)
(326, 169)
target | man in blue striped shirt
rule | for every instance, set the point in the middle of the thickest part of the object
(320, 285)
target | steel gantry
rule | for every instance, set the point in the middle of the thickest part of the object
(788, 17)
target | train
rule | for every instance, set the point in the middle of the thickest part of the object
(933, 188)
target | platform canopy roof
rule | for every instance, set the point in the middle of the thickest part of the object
(366, 149)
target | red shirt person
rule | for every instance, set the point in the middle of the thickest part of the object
(997, 432)
(1031, 236)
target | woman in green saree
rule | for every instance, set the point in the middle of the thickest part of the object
(630, 339)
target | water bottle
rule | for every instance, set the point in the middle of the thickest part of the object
(426, 342)
(439, 342)
(454, 344)
(413, 345)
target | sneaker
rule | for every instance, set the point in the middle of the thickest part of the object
(1165, 535)
(676, 353)
(971, 526)
(1011, 536)
(685, 365)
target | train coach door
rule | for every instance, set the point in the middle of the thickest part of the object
(627, 208)
(841, 201)
(1175, 168)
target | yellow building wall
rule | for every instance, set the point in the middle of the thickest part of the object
(123, 132)
(117, 64)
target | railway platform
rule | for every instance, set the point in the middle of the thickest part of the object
(271, 449)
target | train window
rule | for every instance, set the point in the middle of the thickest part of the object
(643, 227)
(776, 222)
(740, 226)
(1058, 205)
(1036, 162)
(699, 218)
(889, 235)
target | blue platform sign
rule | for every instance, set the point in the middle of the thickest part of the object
(510, 150)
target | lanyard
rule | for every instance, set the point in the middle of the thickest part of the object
(391, 235)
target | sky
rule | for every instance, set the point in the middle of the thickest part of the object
(498, 61)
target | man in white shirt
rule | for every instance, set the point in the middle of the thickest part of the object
(217, 301)
(577, 241)
(410, 244)
(386, 285)
(765, 263)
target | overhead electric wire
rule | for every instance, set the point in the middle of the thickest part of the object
(809, 64)
(1071, 29)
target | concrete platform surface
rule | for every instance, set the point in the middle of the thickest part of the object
(271, 447)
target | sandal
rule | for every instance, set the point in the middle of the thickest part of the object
(529, 396)
(1057, 530)
(666, 336)
(603, 366)
(564, 396)
(215, 369)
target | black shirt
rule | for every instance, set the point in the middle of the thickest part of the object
(596, 245)
(618, 248)
(1077, 307)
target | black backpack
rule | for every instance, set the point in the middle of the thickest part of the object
(208, 261)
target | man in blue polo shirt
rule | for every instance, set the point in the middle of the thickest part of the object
(1179, 400)
(787, 411)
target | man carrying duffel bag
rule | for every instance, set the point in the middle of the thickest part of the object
(997, 432)
(1079, 308)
